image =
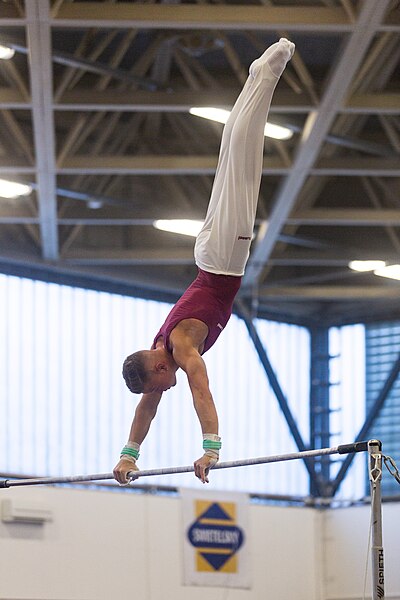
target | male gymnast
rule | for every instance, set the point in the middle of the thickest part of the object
(221, 252)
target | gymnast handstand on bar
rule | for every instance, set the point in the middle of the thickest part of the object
(221, 252)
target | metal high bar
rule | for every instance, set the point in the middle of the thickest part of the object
(133, 475)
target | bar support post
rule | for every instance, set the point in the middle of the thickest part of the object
(375, 477)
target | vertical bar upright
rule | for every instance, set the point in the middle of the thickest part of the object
(320, 434)
(375, 477)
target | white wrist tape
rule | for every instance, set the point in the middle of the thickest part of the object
(212, 445)
(133, 445)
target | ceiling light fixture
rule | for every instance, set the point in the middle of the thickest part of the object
(95, 204)
(390, 271)
(11, 189)
(6, 53)
(220, 115)
(366, 265)
(182, 226)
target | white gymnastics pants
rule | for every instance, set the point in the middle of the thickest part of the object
(223, 244)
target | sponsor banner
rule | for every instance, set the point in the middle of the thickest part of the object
(215, 538)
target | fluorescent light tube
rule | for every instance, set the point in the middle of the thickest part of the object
(221, 115)
(10, 189)
(277, 132)
(366, 265)
(390, 271)
(182, 226)
(6, 53)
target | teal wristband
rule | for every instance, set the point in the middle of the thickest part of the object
(130, 452)
(211, 445)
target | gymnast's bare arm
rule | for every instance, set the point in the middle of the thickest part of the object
(144, 414)
(188, 358)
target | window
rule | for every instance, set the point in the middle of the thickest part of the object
(65, 410)
(381, 353)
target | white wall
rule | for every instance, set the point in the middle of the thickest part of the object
(344, 534)
(117, 546)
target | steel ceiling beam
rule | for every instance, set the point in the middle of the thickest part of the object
(12, 98)
(142, 165)
(15, 165)
(125, 254)
(174, 101)
(373, 102)
(355, 166)
(206, 165)
(221, 17)
(91, 66)
(331, 292)
(126, 15)
(325, 261)
(201, 165)
(346, 217)
(39, 44)
(84, 64)
(19, 220)
(315, 131)
(139, 285)
(166, 256)
(152, 165)
(87, 99)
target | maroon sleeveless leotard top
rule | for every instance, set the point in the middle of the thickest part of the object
(210, 299)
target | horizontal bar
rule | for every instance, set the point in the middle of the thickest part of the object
(344, 449)
(352, 448)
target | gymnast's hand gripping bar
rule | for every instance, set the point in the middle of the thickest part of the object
(343, 449)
